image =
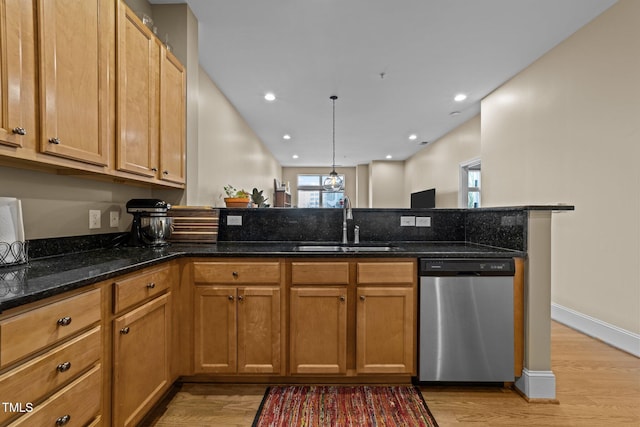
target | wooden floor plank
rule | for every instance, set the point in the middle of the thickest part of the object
(596, 385)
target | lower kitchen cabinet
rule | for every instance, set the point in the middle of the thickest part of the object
(385, 329)
(318, 330)
(141, 345)
(237, 329)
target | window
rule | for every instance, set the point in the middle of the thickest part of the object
(470, 183)
(312, 195)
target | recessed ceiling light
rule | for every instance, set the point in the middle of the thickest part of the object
(454, 113)
(286, 136)
(270, 96)
(413, 137)
(460, 97)
(389, 156)
(295, 156)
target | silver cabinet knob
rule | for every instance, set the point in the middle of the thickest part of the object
(240, 298)
(64, 321)
(151, 285)
(54, 141)
(124, 331)
(64, 420)
(362, 297)
(19, 131)
(165, 172)
(343, 298)
(234, 274)
(63, 367)
(231, 297)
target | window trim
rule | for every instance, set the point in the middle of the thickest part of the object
(464, 189)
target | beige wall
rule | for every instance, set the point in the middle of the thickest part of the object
(567, 130)
(386, 185)
(229, 152)
(290, 174)
(438, 164)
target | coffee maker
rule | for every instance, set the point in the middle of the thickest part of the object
(151, 226)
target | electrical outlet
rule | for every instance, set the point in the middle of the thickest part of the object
(407, 221)
(423, 221)
(94, 219)
(114, 219)
(234, 220)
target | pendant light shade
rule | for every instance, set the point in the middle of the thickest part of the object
(333, 182)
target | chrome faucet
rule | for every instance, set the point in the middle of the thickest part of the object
(346, 214)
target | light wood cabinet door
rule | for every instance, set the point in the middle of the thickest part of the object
(385, 330)
(17, 74)
(141, 345)
(172, 118)
(215, 345)
(318, 330)
(76, 41)
(137, 141)
(259, 330)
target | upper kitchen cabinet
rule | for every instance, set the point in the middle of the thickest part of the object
(172, 118)
(76, 43)
(137, 141)
(17, 76)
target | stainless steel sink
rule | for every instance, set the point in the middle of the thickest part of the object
(338, 248)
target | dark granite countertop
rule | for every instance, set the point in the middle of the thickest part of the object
(45, 277)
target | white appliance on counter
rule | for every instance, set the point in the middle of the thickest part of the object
(13, 247)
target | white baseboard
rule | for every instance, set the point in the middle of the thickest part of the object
(610, 334)
(537, 384)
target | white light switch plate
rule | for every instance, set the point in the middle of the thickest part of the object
(234, 220)
(423, 221)
(407, 221)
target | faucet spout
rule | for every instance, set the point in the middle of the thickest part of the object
(346, 214)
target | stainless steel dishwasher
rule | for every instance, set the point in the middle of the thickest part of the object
(466, 320)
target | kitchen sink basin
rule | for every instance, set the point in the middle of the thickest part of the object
(339, 248)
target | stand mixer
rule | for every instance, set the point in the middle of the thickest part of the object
(151, 226)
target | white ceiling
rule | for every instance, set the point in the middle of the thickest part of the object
(395, 66)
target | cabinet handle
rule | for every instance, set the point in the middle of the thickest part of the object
(240, 298)
(362, 297)
(343, 298)
(62, 421)
(235, 274)
(64, 321)
(165, 172)
(19, 131)
(54, 141)
(154, 169)
(151, 285)
(231, 298)
(124, 331)
(63, 367)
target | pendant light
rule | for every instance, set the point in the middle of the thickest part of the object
(333, 182)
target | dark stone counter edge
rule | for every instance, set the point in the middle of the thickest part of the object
(211, 251)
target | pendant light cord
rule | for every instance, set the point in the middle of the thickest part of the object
(333, 98)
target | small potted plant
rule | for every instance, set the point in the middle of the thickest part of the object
(236, 198)
(257, 199)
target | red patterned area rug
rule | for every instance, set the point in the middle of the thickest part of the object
(315, 406)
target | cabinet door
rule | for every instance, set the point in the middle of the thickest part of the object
(385, 330)
(141, 340)
(318, 330)
(137, 108)
(76, 41)
(172, 118)
(17, 74)
(215, 329)
(259, 330)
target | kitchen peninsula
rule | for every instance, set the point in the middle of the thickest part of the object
(124, 289)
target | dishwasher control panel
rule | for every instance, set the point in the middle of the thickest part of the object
(466, 266)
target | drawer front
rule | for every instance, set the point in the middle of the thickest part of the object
(25, 333)
(40, 376)
(387, 272)
(319, 273)
(137, 288)
(79, 401)
(237, 272)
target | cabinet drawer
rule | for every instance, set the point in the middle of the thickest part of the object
(236, 272)
(25, 333)
(139, 287)
(318, 273)
(387, 272)
(40, 376)
(79, 401)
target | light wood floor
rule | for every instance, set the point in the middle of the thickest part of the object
(596, 385)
